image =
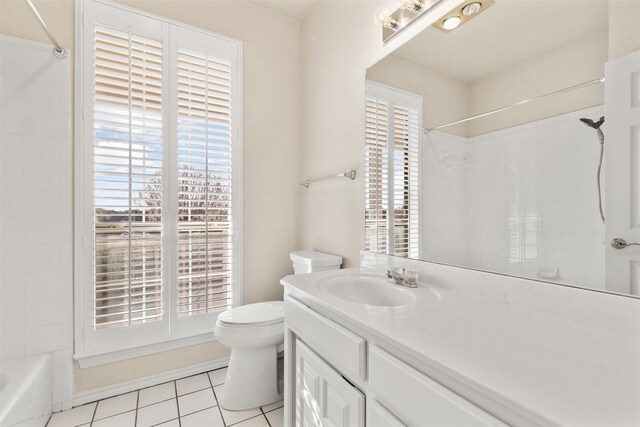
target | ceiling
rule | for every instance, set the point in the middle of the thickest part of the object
(507, 33)
(296, 9)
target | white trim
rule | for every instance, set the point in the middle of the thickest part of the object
(100, 358)
(78, 181)
(165, 20)
(148, 381)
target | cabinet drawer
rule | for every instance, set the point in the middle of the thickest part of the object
(340, 347)
(377, 416)
(417, 399)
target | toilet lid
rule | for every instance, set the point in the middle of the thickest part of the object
(262, 313)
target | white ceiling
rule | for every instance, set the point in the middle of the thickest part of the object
(296, 9)
(507, 33)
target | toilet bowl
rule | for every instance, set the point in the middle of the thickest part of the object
(253, 332)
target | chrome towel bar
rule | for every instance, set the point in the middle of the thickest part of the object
(349, 174)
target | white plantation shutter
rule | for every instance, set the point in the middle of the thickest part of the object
(159, 181)
(205, 227)
(127, 158)
(376, 170)
(392, 173)
(405, 181)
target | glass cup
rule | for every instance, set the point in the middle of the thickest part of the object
(411, 275)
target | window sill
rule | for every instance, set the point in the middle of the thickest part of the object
(97, 359)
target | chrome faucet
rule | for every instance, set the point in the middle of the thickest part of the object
(403, 277)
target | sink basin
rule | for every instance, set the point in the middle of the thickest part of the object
(367, 289)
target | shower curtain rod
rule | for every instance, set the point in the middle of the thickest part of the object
(59, 51)
(519, 103)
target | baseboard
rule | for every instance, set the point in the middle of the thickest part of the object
(138, 383)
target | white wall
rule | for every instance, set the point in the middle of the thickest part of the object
(444, 99)
(36, 312)
(272, 117)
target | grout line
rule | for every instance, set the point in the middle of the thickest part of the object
(137, 401)
(160, 401)
(264, 414)
(191, 392)
(251, 418)
(215, 395)
(175, 386)
(114, 415)
(172, 419)
(94, 413)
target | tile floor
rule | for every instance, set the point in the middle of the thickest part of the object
(187, 402)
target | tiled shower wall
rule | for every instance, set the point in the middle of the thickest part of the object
(533, 201)
(36, 298)
(529, 197)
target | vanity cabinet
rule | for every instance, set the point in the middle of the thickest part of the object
(335, 372)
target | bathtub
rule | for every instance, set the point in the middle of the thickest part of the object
(25, 392)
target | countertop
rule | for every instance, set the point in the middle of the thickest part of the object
(552, 371)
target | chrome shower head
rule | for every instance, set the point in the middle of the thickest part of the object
(592, 124)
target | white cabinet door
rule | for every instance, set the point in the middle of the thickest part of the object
(323, 397)
(622, 166)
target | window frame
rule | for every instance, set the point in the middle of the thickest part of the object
(139, 340)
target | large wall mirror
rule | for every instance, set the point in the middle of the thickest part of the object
(511, 144)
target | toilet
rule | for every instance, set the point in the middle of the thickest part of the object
(254, 332)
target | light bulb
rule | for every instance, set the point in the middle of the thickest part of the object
(414, 5)
(451, 23)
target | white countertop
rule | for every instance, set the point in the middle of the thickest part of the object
(550, 370)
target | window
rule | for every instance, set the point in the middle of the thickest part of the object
(158, 180)
(392, 155)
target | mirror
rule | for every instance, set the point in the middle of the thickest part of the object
(485, 147)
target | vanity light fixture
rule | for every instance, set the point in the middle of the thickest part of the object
(462, 14)
(409, 11)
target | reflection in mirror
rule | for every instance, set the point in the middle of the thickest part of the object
(512, 144)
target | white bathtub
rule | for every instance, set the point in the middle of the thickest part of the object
(25, 392)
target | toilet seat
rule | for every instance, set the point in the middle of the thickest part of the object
(252, 315)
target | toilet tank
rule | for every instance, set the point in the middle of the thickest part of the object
(313, 262)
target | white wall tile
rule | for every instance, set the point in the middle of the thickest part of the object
(11, 175)
(11, 287)
(12, 345)
(519, 182)
(43, 312)
(36, 210)
(12, 316)
(43, 339)
(11, 146)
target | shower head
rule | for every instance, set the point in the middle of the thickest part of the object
(592, 124)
